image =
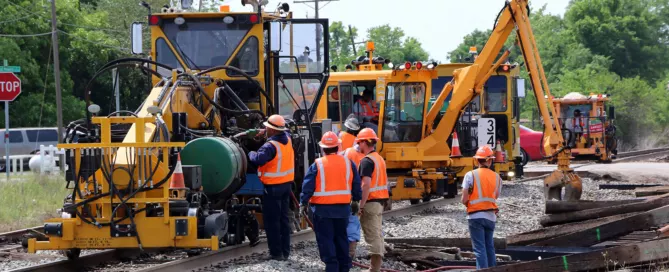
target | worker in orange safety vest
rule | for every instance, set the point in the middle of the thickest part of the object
(332, 188)
(276, 170)
(347, 136)
(374, 195)
(366, 110)
(480, 189)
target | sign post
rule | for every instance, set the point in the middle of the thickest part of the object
(10, 88)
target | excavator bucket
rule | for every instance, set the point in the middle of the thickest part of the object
(571, 182)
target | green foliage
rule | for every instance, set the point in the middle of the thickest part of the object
(390, 43)
(602, 46)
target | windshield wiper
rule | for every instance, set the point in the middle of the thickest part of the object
(181, 51)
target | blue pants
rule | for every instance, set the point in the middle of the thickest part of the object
(353, 228)
(332, 243)
(481, 232)
(275, 207)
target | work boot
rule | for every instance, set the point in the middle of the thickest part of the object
(351, 249)
(377, 260)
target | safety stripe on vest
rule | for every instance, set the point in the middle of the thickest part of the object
(478, 190)
(278, 172)
(376, 186)
(321, 173)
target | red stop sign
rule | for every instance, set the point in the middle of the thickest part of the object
(10, 86)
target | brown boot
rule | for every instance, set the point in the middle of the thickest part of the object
(377, 260)
(351, 249)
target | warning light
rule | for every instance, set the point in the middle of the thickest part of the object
(224, 8)
(154, 20)
(472, 50)
(419, 65)
(407, 65)
(505, 68)
(253, 18)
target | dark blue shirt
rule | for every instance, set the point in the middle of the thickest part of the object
(267, 152)
(334, 210)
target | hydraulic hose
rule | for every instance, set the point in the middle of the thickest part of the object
(218, 106)
(244, 74)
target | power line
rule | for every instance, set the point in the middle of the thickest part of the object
(14, 20)
(122, 49)
(26, 35)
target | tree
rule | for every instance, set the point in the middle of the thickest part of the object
(341, 47)
(391, 43)
(629, 32)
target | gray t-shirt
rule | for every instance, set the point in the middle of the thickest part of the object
(468, 182)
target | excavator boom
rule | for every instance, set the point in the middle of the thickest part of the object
(468, 82)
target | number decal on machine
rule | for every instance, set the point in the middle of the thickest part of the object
(486, 132)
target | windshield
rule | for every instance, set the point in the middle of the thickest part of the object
(205, 43)
(496, 94)
(404, 108)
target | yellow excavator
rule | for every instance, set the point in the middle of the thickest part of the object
(468, 82)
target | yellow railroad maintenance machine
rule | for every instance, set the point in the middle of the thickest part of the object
(587, 127)
(174, 173)
(405, 95)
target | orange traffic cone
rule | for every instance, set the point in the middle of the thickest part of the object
(499, 155)
(177, 181)
(455, 146)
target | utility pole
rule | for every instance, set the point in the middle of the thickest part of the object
(318, 27)
(56, 71)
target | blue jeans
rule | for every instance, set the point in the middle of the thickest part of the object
(275, 206)
(332, 243)
(353, 228)
(481, 232)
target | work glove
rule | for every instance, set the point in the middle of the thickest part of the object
(355, 207)
(303, 210)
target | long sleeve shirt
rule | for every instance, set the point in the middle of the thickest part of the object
(267, 152)
(329, 211)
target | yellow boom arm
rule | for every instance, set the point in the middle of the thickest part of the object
(468, 82)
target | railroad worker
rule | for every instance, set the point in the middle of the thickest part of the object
(577, 125)
(374, 195)
(480, 189)
(366, 110)
(347, 136)
(276, 164)
(353, 230)
(332, 188)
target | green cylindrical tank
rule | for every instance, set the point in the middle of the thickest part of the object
(223, 164)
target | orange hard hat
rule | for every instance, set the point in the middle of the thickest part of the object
(276, 122)
(366, 134)
(329, 140)
(484, 152)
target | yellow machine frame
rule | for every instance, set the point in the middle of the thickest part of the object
(424, 175)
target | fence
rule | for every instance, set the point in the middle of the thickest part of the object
(44, 162)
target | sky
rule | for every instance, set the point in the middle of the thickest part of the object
(440, 25)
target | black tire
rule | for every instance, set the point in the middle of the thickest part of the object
(414, 201)
(524, 156)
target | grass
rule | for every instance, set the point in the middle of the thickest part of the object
(27, 200)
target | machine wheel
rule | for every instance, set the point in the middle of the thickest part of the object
(72, 254)
(426, 198)
(524, 156)
(414, 201)
(388, 206)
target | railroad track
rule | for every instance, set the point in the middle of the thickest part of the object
(210, 257)
(12, 239)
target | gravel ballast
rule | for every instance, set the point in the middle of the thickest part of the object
(521, 205)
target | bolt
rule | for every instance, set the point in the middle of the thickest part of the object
(117, 235)
(128, 234)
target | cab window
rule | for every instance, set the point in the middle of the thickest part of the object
(333, 103)
(246, 59)
(404, 107)
(165, 55)
(496, 99)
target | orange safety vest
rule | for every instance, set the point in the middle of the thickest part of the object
(368, 109)
(379, 187)
(354, 155)
(485, 191)
(281, 168)
(347, 139)
(334, 179)
(580, 121)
